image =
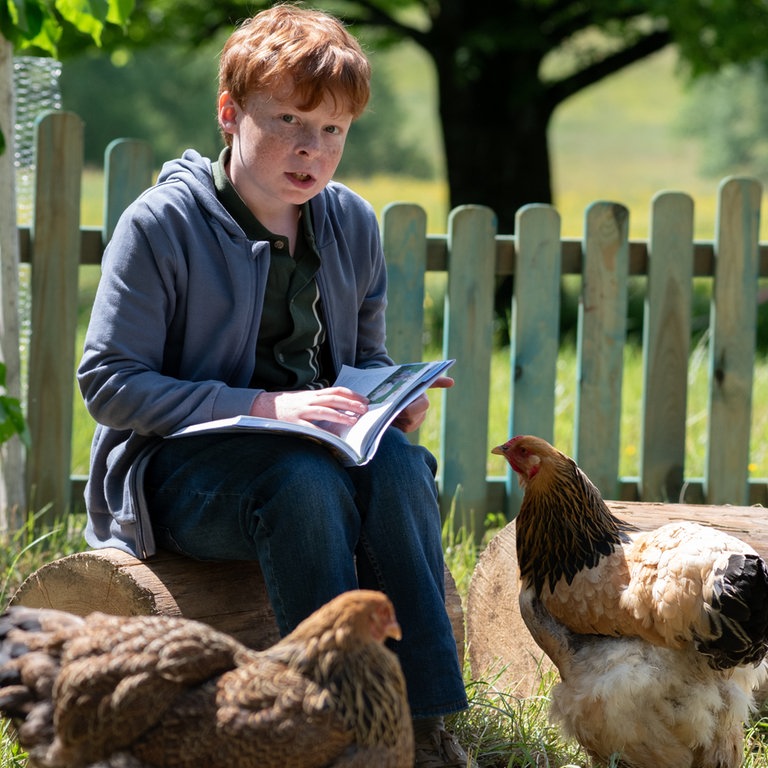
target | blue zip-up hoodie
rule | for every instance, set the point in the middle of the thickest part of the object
(172, 336)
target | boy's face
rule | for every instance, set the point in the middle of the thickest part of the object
(282, 155)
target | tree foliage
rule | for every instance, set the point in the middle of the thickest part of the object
(37, 26)
(728, 112)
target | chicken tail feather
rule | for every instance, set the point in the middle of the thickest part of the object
(739, 616)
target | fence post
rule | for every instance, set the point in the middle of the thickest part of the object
(404, 239)
(468, 337)
(54, 276)
(600, 344)
(732, 342)
(535, 331)
(666, 347)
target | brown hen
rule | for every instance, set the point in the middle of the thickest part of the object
(659, 632)
(163, 692)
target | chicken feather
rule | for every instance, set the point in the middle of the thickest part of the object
(645, 705)
(164, 692)
(660, 637)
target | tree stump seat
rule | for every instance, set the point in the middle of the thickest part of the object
(229, 596)
(499, 646)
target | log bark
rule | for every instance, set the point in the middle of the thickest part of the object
(501, 649)
(229, 596)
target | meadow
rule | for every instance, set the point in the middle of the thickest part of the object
(618, 142)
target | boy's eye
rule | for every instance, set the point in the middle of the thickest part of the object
(288, 118)
(333, 129)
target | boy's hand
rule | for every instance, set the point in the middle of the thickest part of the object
(308, 406)
(412, 417)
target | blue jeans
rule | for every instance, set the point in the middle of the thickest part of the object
(318, 529)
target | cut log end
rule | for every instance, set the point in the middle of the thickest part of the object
(501, 650)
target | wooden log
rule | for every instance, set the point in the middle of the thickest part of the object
(229, 596)
(499, 645)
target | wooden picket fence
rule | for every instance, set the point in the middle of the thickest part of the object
(473, 255)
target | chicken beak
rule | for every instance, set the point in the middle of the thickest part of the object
(384, 625)
(499, 450)
(393, 630)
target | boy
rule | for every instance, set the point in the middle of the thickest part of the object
(242, 286)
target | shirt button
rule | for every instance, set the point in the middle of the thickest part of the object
(279, 244)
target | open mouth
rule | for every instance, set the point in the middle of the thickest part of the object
(301, 176)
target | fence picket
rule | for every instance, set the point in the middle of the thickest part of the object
(404, 234)
(535, 330)
(53, 285)
(468, 337)
(600, 344)
(128, 165)
(666, 347)
(732, 341)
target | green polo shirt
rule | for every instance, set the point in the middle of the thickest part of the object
(290, 351)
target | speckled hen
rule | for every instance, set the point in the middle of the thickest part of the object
(163, 692)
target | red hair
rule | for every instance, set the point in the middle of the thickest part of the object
(308, 48)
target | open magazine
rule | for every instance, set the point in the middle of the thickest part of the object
(389, 389)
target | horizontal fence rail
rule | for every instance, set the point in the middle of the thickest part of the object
(472, 255)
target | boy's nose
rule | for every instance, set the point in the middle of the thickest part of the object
(309, 143)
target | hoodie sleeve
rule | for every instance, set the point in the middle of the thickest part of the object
(160, 352)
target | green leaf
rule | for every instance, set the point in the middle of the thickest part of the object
(11, 417)
(29, 24)
(46, 40)
(86, 17)
(12, 421)
(26, 16)
(120, 11)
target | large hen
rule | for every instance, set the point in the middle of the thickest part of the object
(660, 637)
(163, 692)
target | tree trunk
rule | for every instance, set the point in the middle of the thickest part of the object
(495, 133)
(501, 161)
(12, 502)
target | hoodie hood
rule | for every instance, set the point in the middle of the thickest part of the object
(195, 172)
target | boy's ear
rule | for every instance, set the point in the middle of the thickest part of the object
(227, 112)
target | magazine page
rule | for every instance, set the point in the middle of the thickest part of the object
(264, 424)
(389, 390)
